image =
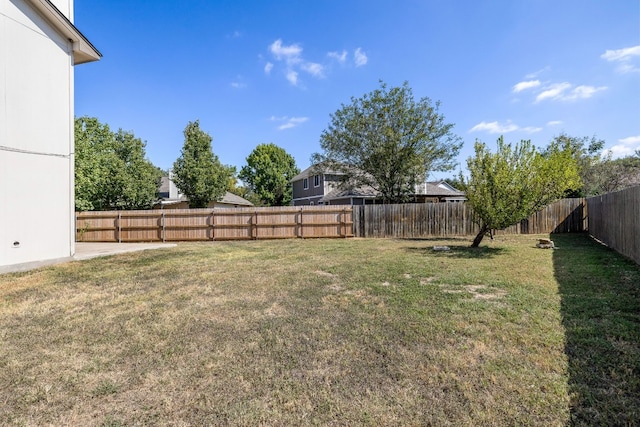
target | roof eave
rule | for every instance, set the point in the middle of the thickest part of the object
(83, 50)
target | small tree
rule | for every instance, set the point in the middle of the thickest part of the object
(198, 173)
(388, 141)
(268, 174)
(508, 186)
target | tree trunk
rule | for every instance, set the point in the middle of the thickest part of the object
(478, 239)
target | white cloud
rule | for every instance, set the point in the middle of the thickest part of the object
(360, 57)
(341, 57)
(519, 87)
(625, 58)
(316, 70)
(502, 128)
(291, 53)
(621, 54)
(627, 147)
(537, 73)
(289, 122)
(238, 85)
(554, 123)
(583, 92)
(553, 91)
(292, 77)
(566, 92)
(294, 63)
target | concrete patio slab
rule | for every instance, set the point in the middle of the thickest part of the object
(88, 250)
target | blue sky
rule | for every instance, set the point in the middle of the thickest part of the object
(257, 72)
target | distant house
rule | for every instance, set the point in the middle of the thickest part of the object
(39, 45)
(171, 198)
(322, 188)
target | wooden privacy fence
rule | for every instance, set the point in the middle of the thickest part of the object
(614, 219)
(214, 224)
(414, 220)
(456, 219)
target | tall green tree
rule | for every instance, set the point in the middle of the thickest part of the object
(111, 170)
(388, 141)
(198, 173)
(268, 174)
(509, 185)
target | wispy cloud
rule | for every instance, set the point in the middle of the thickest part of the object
(316, 70)
(292, 77)
(554, 123)
(626, 147)
(529, 84)
(626, 58)
(296, 65)
(360, 57)
(535, 74)
(238, 83)
(290, 54)
(502, 128)
(288, 122)
(567, 92)
(341, 57)
(621, 54)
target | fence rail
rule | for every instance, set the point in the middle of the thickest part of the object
(614, 219)
(214, 224)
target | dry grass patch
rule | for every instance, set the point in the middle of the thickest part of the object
(319, 332)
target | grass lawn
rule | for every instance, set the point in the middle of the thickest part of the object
(326, 332)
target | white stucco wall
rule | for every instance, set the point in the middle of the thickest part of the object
(36, 137)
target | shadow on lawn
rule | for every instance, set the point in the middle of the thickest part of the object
(458, 251)
(600, 307)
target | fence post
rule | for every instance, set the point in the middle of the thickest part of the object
(119, 227)
(300, 226)
(164, 232)
(254, 234)
(213, 224)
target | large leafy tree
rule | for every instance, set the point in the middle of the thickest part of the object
(600, 173)
(388, 141)
(509, 185)
(268, 174)
(198, 173)
(111, 171)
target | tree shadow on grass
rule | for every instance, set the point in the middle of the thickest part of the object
(462, 250)
(600, 307)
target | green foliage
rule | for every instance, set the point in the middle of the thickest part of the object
(514, 182)
(388, 141)
(268, 174)
(600, 174)
(198, 173)
(111, 171)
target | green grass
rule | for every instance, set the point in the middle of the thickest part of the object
(326, 332)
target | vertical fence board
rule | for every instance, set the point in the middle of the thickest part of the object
(614, 219)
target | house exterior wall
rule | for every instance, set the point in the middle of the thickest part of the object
(313, 194)
(36, 137)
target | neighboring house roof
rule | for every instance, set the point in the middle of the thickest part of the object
(83, 50)
(310, 171)
(439, 189)
(227, 199)
(234, 199)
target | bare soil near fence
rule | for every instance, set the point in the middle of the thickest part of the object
(326, 332)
